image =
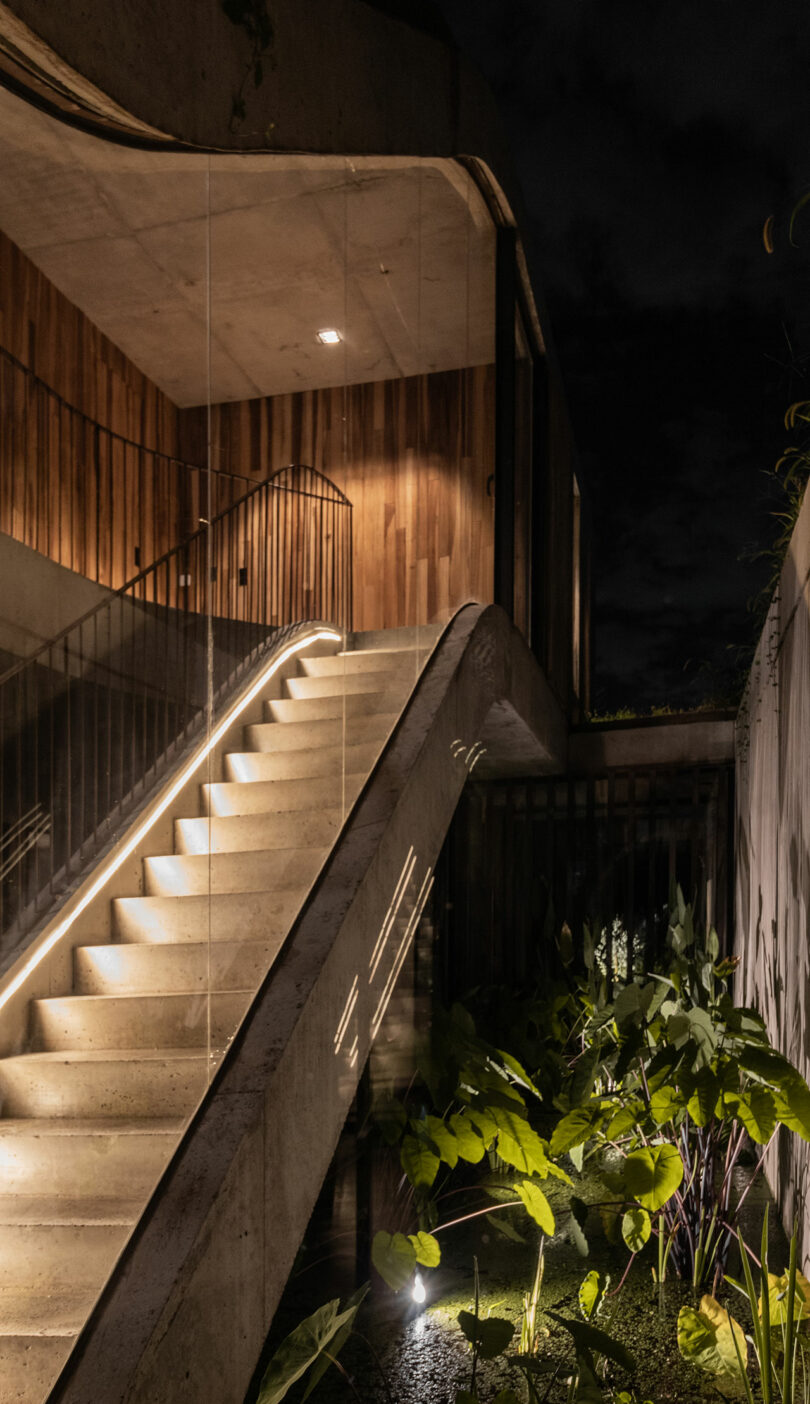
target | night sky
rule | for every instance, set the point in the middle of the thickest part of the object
(652, 141)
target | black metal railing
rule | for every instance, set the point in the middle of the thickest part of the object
(93, 718)
(524, 856)
(87, 497)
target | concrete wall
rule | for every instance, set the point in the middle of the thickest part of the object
(773, 847)
(38, 599)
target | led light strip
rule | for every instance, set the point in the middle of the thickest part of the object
(399, 959)
(348, 1010)
(321, 635)
(391, 914)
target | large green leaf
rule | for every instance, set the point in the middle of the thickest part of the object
(337, 1342)
(468, 1142)
(777, 1298)
(301, 1349)
(591, 1293)
(443, 1139)
(796, 1113)
(704, 1034)
(701, 1104)
(665, 1104)
(483, 1123)
(491, 1335)
(574, 1129)
(518, 1071)
(624, 1119)
(591, 1338)
(394, 1257)
(706, 1338)
(769, 1066)
(518, 1144)
(636, 1228)
(419, 1162)
(537, 1205)
(757, 1112)
(426, 1248)
(652, 1174)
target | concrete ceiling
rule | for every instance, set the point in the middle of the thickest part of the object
(159, 249)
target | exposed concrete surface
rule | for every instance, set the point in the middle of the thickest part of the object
(397, 256)
(773, 849)
(186, 1313)
(38, 599)
(669, 743)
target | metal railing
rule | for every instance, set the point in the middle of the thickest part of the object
(87, 497)
(91, 721)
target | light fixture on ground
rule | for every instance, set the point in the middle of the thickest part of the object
(418, 1290)
(329, 336)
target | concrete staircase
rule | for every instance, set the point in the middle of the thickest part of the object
(91, 1112)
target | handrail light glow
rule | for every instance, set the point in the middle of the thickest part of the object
(142, 829)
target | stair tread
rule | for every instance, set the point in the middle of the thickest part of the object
(91, 1126)
(31, 1312)
(113, 1055)
(117, 997)
(45, 1210)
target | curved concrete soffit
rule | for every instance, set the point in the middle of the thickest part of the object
(187, 1310)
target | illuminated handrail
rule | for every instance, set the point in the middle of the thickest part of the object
(90, 721)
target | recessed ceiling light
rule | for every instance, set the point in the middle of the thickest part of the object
(329, 336)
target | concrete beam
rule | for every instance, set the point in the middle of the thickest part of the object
(665, 741)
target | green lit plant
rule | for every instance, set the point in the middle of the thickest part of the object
(310, 1349)
(482, 1096)
(596, 1353)
(712, 1340)
(669, 1083)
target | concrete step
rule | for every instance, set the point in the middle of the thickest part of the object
(42, 1210)
(59, 1257)
(288, 797)
(172, 968)
(90, 1023)
(421, 638)
(36, 1315)
(313, 737)
(71, 1157)
(144, 1082)
(218, 917)
(244, 833)
(349, 686)
(314, 709)
(378, 660)
(29, 1364)
(285, 766)
(259, 871)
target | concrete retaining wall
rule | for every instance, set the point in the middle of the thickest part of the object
(773, 848)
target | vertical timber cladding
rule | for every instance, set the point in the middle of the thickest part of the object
(415, 458)
(84, 499)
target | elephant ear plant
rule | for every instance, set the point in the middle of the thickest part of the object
(482, 1097)
(668, 1084)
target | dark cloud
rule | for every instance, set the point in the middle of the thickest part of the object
(652, 141)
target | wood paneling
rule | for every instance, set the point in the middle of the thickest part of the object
(414, 456)
(87, 442)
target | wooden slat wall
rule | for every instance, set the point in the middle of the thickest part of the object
(414, 456)
(83, 499)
